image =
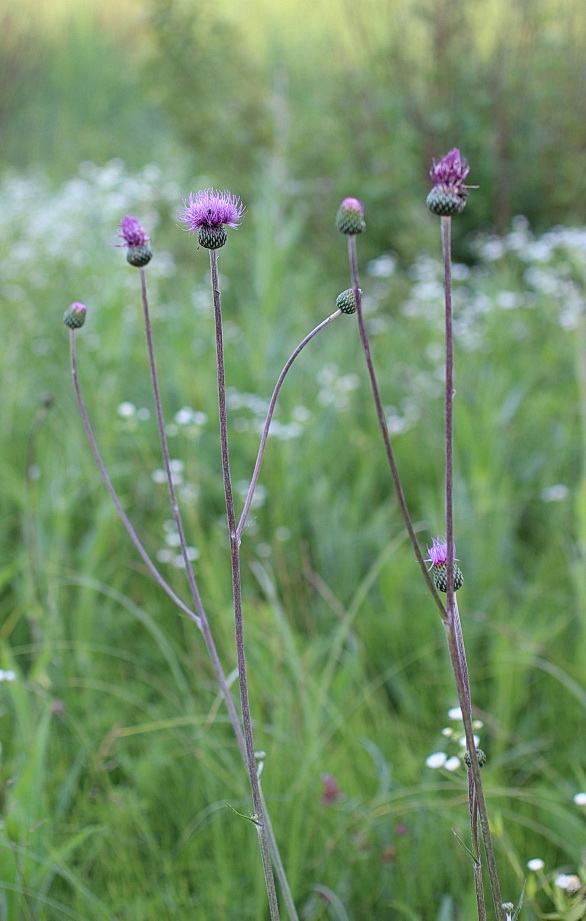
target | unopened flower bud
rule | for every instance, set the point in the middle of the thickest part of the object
(346, 301)
(74, 316)
(350, 216)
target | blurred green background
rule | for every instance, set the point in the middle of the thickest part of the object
(117, 759)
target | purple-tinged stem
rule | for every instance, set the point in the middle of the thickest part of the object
(203, 620)
(200, 619)
(113, 494)
(446, 225)
(453, 623)
(270, 411)
(383, 426)
(268, 842)
(457, 656)
(237, 598)
(477, 867)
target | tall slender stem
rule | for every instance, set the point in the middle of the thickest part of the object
(237, 598)
(453, 624)
(199, 607)
(446, 224)
(384, 429)
(200, 618)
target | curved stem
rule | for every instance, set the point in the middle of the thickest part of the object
(384, 429)
(113, 494)
(237, 598)
(270, 411)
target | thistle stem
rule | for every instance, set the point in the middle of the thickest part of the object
(259, 809)
(270, 411)
(113, 494)
(452, 623)
(384, 429)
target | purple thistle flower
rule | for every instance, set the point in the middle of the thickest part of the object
(451, 169)
(438, 552)
(209, 208)
(438, 557)
(449, 193)
(132, 232)
(353, 203)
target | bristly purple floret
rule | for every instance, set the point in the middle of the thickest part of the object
(132, 232)
(451, 169)
(353, 203)
(209, 208)
(438, 552)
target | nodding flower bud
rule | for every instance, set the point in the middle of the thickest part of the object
(448, 195)
(346, 301)
(482, 759)
(438, 557)
(350, 216)
(74, 316)
(206, 212)
(134, 236)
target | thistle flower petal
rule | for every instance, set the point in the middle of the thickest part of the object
(210, 208)
(132, 232)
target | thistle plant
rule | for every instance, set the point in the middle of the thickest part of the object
(206, 214)
(447, 198)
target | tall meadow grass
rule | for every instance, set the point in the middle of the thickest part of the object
(118, 762)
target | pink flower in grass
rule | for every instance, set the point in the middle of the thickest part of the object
(449, 193)
(206, 213)
(209, 208)
(132, 232)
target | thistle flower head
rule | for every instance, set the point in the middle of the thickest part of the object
(438, 557)
(448, 195)
(132, 232)
(209, 208)
(206, 212)
(134, 236)
(74, 316)
(438, 552)
(350, 216)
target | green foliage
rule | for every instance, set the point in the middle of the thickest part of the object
(118, 764)
(118, 749)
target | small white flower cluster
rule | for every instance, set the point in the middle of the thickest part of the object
(441, 759)
(7, 675)
(130, 413)
(86, 207)
(555, 263)
(570, 883)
